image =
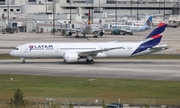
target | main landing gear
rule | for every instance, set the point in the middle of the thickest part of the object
(77, 34)
(23, 60)
(89, 60)
(95, 36)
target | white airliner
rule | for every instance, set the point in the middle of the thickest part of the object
(86, 29)
(134, 28)
(72, 52)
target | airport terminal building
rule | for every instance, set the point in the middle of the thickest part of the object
(32, 11)
(110, 7)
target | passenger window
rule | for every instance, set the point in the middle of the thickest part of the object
(16, 48)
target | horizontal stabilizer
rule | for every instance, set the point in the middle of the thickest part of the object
(165, 46)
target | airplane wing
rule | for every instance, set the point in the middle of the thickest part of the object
(113, 41)
(68, 29)
(96, 30)
(97, 50)
(110, 29)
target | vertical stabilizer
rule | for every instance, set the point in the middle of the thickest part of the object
(148, 23)
(152, 39)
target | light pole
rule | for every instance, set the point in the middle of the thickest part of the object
(178, 7)
(92, 1)
(131, 7)
(8, 14)
(46, 6)
(159, 8)
(116, 11)
(53, 17)
(99, 3)
(137, 10)
(70, 12)
(164, 10)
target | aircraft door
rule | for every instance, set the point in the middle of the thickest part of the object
(56, 49)
(26, 49)
(100, 48)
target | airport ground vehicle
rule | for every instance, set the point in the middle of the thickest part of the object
(9, 30)
(121, 32)
(112, 106)
(118, 104)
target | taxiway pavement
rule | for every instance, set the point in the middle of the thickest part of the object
(103, 68)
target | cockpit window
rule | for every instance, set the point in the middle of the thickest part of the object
(16, 48)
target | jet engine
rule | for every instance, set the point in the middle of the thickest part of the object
(70, 57)
(101, 33)
(70, 33)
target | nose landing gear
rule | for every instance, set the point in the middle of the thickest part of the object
(23, 60)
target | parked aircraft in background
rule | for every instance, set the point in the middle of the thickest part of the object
(86, 29)
(72, 52)
(147, 25)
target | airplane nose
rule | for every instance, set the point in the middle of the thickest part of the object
(12, 53)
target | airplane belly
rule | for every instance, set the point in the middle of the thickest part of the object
(87, 31)
(101, 55)
(118, 53)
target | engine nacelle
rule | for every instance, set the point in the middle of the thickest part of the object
(70, 57)
(101, 33)
(70, 33)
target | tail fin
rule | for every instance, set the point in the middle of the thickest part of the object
(89, 18)
(155, 36)
(152, 39)
(148, 22)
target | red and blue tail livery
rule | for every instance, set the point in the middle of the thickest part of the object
(152, 39)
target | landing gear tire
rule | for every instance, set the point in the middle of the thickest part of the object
(87, 61)
(95, 36)
(90, 61)
(23, 61)
(77, 36)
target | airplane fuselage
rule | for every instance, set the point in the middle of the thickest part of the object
(86, 30)
(130, 27)
(43, 50)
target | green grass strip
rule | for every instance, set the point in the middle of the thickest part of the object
(86, 89)
(7, 56)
